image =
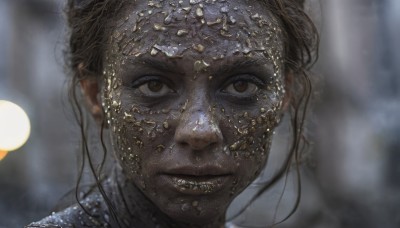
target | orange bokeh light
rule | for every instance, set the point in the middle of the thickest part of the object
(3, 154)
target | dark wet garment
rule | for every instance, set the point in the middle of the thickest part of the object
(75, 216)
(131, 206)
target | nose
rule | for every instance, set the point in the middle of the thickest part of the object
(198, 129)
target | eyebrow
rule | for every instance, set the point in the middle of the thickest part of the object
(164, 66)
(224, 69)
(240, 64)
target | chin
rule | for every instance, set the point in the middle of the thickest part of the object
(196, 211)
(193, 216)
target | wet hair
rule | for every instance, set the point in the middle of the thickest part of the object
(91, 22)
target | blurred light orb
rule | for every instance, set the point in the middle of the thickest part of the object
(15, 126)
(3, 154)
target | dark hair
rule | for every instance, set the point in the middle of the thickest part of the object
(90, 22)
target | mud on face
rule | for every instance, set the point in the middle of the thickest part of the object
(193, 91)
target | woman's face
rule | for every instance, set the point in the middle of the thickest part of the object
(193, 91)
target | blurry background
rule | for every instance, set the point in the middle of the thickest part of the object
(34, 178)
(355, 123)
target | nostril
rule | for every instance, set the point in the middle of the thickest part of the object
(200, 144)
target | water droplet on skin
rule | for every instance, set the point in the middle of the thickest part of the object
(169, 51)
(232, 20)
(224, 9)
(168, 19)
(255, 16)
(246, 51)
(187, 9)
(195, 1)
(227, 152)
(185, 207)
(154, 4)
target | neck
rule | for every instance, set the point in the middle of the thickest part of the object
(134, 209)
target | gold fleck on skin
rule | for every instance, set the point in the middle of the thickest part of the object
(187, 9)
(182, 32)
(200, 65)
(168, 128)
(166, 125)
(168, 19)
(159, 27)
(170, 51)
(217, 21)
(199, 12)
(195, 1)
(153, 51)
(160, 148)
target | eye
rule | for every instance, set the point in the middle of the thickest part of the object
(241, 88)
(154, 88)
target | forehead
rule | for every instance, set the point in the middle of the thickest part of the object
(212, 28)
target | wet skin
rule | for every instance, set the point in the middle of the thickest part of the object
(192, 94)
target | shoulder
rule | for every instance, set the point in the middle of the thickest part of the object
(92, 214)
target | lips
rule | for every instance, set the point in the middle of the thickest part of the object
(192, 170)
(197, 180)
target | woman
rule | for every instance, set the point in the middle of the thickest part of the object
(191, 92)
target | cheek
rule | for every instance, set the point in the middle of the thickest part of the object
(138, 133)
(249, 131)
(141, 137)
(248, 135)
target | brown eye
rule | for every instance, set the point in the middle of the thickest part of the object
(241, 86)
(154, 88)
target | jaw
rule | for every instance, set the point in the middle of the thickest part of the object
(178, 212)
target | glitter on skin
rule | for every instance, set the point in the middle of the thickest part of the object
(239, 35)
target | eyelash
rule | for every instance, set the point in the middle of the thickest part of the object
(256, 81)
(142, 81)
(245, 78)
(145, 79)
